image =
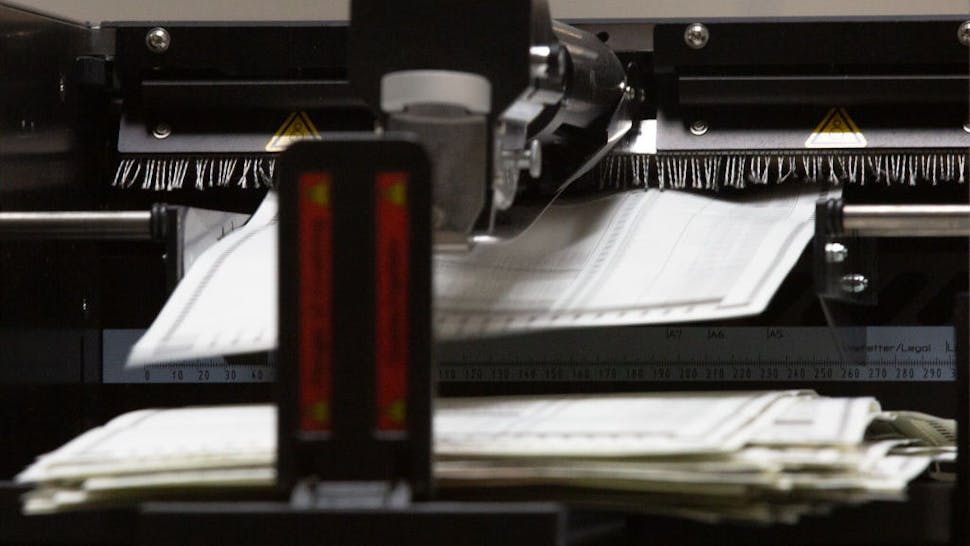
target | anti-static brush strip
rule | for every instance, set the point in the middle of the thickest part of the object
(715, 170)
(200, 173)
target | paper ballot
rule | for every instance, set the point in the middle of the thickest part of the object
(226, 303)
(814, 421)
(631, 258)
(601, 425)
(706, 456)
(203, 228)
(164, 440)
(637, 257)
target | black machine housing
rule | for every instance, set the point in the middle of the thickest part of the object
(75, 101)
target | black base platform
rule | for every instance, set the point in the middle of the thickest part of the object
(925, 519)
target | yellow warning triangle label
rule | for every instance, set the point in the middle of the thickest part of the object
(296, 127)
(837, 130)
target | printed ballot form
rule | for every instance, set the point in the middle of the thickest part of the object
(637, 257)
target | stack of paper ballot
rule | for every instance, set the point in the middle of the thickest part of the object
(758, 456)
(768, 456)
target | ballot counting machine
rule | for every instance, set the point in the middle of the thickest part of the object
(108, 132)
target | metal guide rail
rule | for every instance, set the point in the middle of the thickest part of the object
(707, 354)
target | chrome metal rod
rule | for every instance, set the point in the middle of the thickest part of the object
(907, 220)
(95, 225)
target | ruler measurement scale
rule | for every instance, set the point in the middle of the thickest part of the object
(699, 354)
(635, 354)
(204, 373)
(679, 372)
(117, 343)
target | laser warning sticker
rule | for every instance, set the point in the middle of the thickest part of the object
(297, 126)
(837, 130)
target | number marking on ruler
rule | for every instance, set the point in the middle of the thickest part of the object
(699, 354)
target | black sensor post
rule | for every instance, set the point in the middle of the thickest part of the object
(355, 384)
(355, 313)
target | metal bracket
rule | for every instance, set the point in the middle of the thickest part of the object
(168, 224)
(845, 266)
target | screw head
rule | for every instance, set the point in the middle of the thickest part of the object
(698, 127)
(835, 253)
(158, 40)
(854, 283)
(162, 131)
(629, 92)
(696, 36)
(963, 33)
